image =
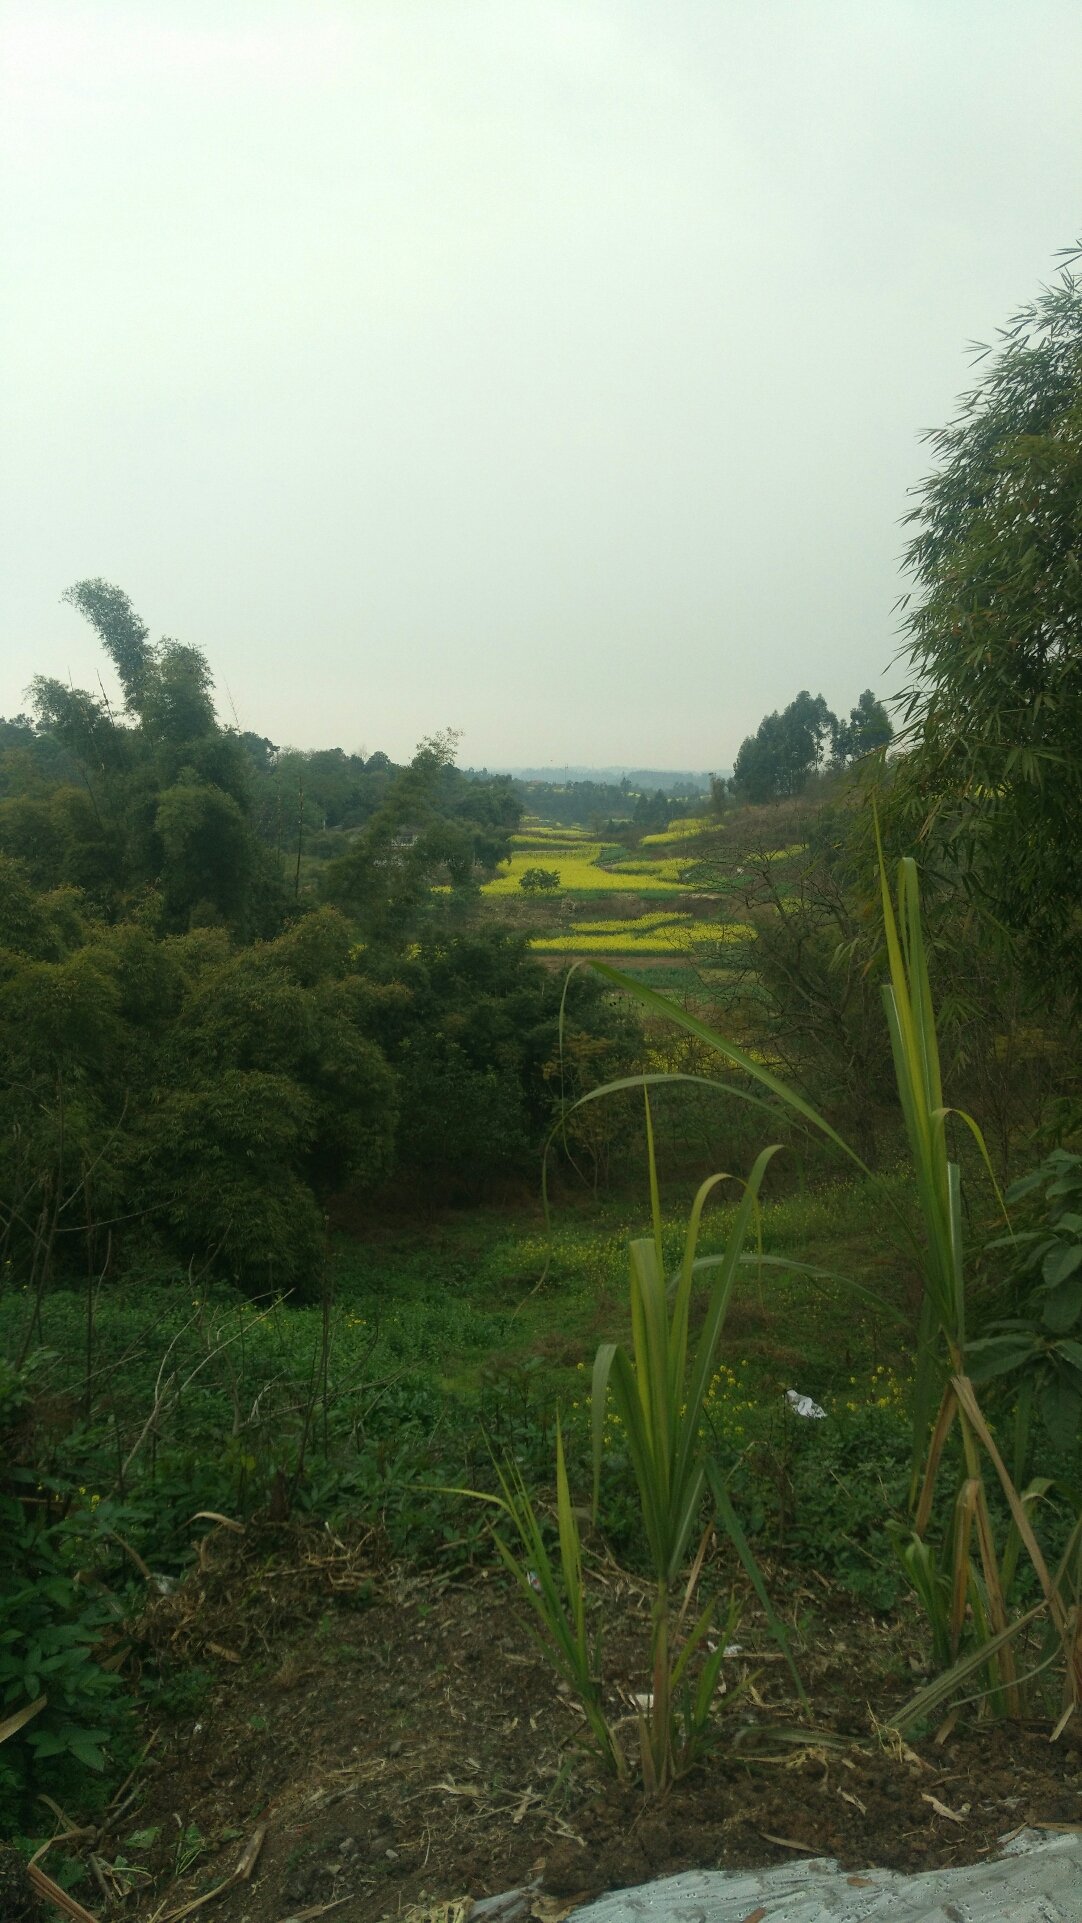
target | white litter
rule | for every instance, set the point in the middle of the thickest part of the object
(804, 1406)
(1038, 1879)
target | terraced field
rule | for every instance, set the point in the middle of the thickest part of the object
(647, 907)
(578, 864)
(643, 935)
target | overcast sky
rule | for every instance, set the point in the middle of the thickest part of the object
(549, 369)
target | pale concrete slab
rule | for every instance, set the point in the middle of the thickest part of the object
(1037, 1879)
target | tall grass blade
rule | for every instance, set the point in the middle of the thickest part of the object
(933, 1696)
(655, 1192)
(570, 1547)
(719, 1045)
(735, 1532)
(559, 1619)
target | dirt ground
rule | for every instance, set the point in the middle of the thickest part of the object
(372, 1743)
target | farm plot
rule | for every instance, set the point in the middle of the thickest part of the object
(578, 864)
(593, 873)
(644, 936)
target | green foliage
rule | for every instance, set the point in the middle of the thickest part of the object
(973, 1570)
(211, 1096)
(660, 1392)
(207, 1090)
(477, 1017)
(785, 751)
(267, 1095)
(1035, 1349)
(473, 1129)
(789, 747)
(54, 1626)
(595, 804)
(868, 729)
(243, 1131)
(193, 1060)
(804, 991)
(124, 636)
(832, 1490)
(556, 1595)
(433, 825)
(159, 798)
(205, 844)
(993, 781)
(539, 881)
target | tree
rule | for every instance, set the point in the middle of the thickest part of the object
(433, 825)
(869, 727)
(721, 788)
(505, 1041)
(786, 750)
(202, 1098)
(993, 778)
(539, 881)
(158, 796)
(207, 852)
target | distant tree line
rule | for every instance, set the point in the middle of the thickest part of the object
(597, 804)
(318, 796)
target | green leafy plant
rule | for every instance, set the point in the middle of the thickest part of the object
(979, 1571)
(832, 1489)
(1036, 1347)
(964, 1582)
(558, 1600)
(539, 881)
(660, 1391)
(59, 1705)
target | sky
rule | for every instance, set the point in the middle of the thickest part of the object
(551, 370)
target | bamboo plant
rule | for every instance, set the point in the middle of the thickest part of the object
(965, 1584)
(659, 1389)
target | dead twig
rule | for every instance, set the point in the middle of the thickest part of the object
(241, 1874)
(43, 1886)
(21, 1716)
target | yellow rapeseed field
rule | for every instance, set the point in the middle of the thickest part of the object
(578, 872)
(540, 838)
(576, 858)
(631, 924)
(679, 830)
(672, 938)
(669, 868)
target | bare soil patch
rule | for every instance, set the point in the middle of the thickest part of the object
(399, 1741)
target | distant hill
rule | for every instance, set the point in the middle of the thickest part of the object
(670, 780)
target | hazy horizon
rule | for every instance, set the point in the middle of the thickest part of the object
(552, 370)
(557, 772)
